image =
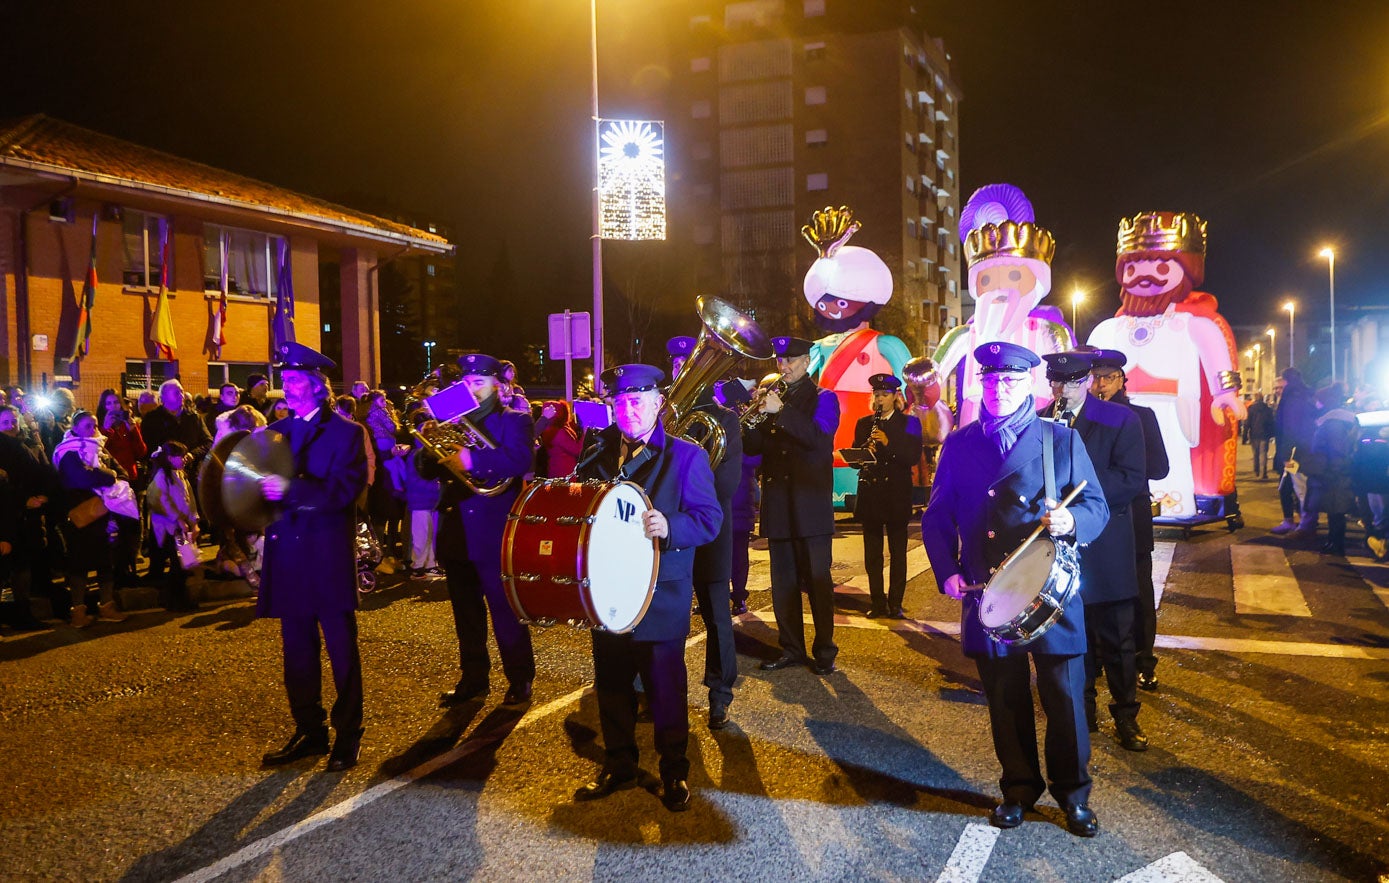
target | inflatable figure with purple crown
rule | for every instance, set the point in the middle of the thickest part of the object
(1009, 260)
(846, 287)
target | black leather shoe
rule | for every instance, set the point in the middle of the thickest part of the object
(718, 717)
(739, 608)
(780, 663)
(1147, 682)
(606, 783)
(824, 670)
(676, 795)
(301, 744)
(346, 749)
(876, 613)
(518, 694)
(896, 613)
(1131, 735)
(1081, 821)
(461, 694)
(1006, 815)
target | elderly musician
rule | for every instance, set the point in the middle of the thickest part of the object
(309, 577)
(470, 537)
(884, 503)
(684, 514)
(989, 494)
(1109, 580)
(796, 441)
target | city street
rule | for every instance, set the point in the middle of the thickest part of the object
(132, 751)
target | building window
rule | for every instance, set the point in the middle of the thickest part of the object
(817, 137)
(817, 181)
(911, 269)
(146, 374)
(814, 94)
(251, 261)
(815, 51)
(911, 228)
(700, 110)
(950, 286)
(814, 8)
(144, 241)
(911, 184)
(699, 65)
(62, 211)
(429, 269)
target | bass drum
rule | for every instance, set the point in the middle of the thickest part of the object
(1029, 592)
(576, 552)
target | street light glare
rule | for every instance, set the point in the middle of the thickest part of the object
(1327, 252)
(1271, 333)
(1290, 306)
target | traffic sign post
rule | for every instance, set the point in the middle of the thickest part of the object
(570, 339)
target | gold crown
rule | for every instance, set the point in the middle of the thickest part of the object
(1162, 231)
(830, 228)
(1023, 240)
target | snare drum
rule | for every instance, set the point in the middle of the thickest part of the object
(1028, 594)
(577, 552)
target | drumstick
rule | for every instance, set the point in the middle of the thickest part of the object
(1038, 532)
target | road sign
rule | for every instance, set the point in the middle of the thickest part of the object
(570, 335)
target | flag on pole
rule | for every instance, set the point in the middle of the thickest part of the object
(162, 328)
(284, 299)
(219, 318)
(82, 343)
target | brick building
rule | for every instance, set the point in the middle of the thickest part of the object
(781, 107)
(58, 182)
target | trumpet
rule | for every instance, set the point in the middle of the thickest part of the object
(754, 415)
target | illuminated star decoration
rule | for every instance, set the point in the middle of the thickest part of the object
(632, 179)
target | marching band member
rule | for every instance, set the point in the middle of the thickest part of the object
(309, 577)
(1109, 581)
(470, 535)
(713, 561)
(988, 495)
(797, 447)
(744, 509)
(684, 515)
(884, 503)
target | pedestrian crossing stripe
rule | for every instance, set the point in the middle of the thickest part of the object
(1264, 583)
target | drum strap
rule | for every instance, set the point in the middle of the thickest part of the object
(1048, 462)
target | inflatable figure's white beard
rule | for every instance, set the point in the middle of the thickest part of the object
(1001, 313)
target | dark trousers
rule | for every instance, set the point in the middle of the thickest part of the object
(1109, 631)
(1008, 687)
(304, 676)
(1288, 497)
(873, 562)
(1145, 616)
(1260, 451)
(796, 563)
(473, 591)
(720, 656)
(617, 661)
(742, 543)
(174, 593)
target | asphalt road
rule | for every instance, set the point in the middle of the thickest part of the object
(131, 751)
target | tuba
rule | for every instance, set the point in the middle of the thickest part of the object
(727, 336)
(451, 430)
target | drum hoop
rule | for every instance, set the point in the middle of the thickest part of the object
(508, 541)
(1063, 549)
(655, 561)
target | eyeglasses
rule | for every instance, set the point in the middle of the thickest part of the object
(1008, 380)
(1113, 375)
(1070, 384)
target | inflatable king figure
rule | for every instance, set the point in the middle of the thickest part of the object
(1181, 361)
(847, 286)
(1009, 259)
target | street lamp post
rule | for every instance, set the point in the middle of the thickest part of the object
(429, 355)
(1076, 298)
(597, 211)
(1291, 307)
(1259, 367)
(1330, 254)
(1273, 349)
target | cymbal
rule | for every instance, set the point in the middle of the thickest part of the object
(260, 454)
(210, 476)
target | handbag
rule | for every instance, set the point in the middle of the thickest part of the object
(187, 550)
(87, 512)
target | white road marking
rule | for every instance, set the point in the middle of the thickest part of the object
(1264, 583)
(1376, 576)
(917, 564)
(1162, 566)
(971, 854)
(1175, 868)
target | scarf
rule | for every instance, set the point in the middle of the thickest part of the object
(89, 449)
(1004, 431)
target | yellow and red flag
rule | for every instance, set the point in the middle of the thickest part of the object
(82, 343)
(162, 328)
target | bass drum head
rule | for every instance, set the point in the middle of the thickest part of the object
(622, 561)
(1013, 589)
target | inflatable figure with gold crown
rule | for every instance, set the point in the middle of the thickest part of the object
(847, 286)
(1181, 361)
(1009, 259)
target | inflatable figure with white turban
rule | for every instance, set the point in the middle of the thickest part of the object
(1009, 259)
(846, 287)
(1181, 362)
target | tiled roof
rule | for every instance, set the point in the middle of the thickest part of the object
(42, 141)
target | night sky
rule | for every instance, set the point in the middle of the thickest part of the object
(1269, 120)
